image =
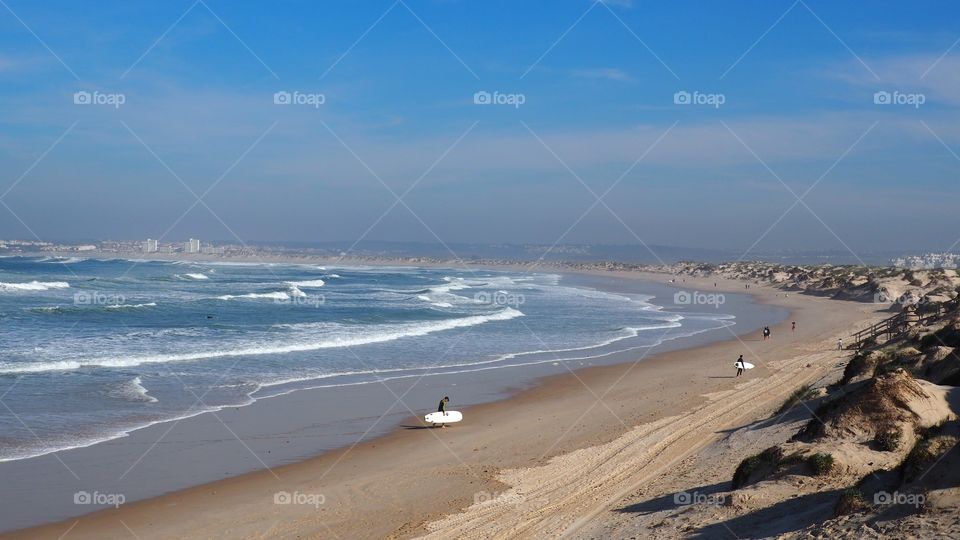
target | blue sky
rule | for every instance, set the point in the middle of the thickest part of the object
(597, 81)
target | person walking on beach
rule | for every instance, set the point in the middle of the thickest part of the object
(839, 344)
(766, 332)
(442, 408)
(739, 365)
(793, 326)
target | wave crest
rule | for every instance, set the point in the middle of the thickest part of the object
(132, 390)
(34, 286)
(312, 283)
(372, 334)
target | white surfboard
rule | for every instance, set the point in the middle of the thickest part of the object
(748, 365)
(448, 417)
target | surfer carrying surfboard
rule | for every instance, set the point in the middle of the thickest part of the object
(739, 365)
(442, 408)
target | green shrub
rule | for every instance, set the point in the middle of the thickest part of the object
(925, 455)
(888, 440)
(821, 463)
(815, 427)
(744, 470)
(851, 500)
(928, 340)
(863, 364)
(803, 393)
(795, 458)
(924, 433)
(759, 466)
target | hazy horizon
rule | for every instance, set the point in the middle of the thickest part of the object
(755, 128)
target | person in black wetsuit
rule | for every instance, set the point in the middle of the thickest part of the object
(442, 408)
(739, 365)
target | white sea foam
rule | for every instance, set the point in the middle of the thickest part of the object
(373, 334)
(294, 292)
(197, 276)
(334, 377)
(62, 260)
(442, 295)
(313, 283)
(235, 263)
(499, 362)
(34, 286)
(276, 295)
(131, 306)
(434, 302)
(132, 390)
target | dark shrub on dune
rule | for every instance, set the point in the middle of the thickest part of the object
(821, 463)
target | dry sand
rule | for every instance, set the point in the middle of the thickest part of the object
(549, 461)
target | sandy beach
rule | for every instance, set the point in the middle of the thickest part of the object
(550, 460)
(679, 270)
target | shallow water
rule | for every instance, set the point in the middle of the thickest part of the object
(94, 349)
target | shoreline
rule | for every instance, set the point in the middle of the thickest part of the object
(664, 342)
(600, 433)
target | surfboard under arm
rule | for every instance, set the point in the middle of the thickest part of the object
(448, 417)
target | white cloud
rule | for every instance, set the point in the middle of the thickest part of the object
(694, 147)
(612, 74)
(935, 75)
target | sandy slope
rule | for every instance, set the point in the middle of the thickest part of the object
(576, 489)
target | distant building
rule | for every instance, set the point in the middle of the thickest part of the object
(150, 246)
(192, 246)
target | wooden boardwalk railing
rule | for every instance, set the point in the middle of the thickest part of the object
(896, 325)
(890, 327)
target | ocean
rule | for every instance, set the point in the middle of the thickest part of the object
(95, 349)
